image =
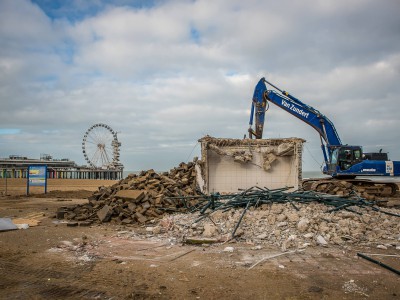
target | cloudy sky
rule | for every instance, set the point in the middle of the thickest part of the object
(165, 73)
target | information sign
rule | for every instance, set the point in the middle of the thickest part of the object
(37, 176)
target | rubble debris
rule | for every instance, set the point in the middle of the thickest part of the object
(381, 247)
(321, 241)
(273, 256)
(271, 218)
(105, 213)
(22, 226)
(268, 159)
(209, 230)
(60, 213)
(200, 241)
(85, 223)
(351, 287)
(137, 198)
(287, 220)
(229, 249)
(81, 249)
(133, 195)
(256, 196)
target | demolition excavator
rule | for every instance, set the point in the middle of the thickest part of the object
(340, 161)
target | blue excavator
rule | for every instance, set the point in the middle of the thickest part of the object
(340, 161)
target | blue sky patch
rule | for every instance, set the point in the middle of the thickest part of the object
(78, 10)
(195, 35)
(4, 131)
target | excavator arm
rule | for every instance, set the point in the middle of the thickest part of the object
(262, 96)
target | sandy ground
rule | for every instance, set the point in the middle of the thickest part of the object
(18, 186)
(54, 261)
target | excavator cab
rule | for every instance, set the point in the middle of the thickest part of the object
(345, 157)
(348, 156)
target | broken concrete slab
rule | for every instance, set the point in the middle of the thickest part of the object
(133, 195)
(140, 217)
(209, 230)
(60, 214)
(72, 224)
(105, 213)
(85, 223)
(321, 241)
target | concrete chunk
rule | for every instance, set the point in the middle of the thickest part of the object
(321, 241)
(126, 221)
(140, 217)
(285, 149)
(135, 195)
(72, 224)
(104, 214)
(146, 205)
(60, 214)
(131, 206)
(85, 223)
(209, 230)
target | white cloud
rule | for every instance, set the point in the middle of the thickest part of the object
(164, 75)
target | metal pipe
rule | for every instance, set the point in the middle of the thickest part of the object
(240, 219)
(379, 263)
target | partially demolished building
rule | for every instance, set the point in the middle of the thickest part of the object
(230, 164)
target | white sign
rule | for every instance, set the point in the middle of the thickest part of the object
(389, 168)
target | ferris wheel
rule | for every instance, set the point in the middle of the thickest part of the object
(100, 147)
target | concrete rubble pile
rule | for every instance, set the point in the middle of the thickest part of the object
(282, 226)
(137, 198)
(342, 188)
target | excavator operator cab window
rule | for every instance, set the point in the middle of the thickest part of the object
(348, 157)
(357, 154)
(333, 160)
(334, 156)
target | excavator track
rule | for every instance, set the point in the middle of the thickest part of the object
(369, 189)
